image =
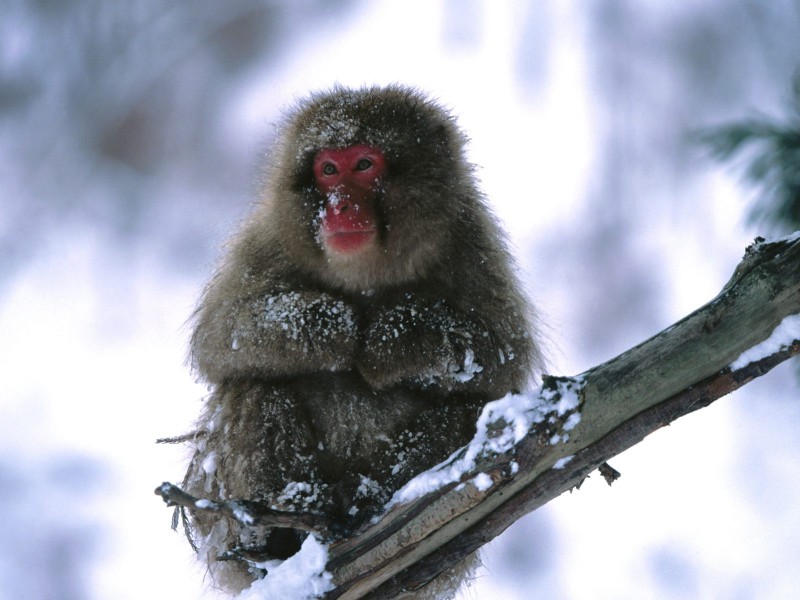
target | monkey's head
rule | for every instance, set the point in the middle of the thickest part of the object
(370, 187)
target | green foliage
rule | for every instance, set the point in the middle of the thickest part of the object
(773, 163)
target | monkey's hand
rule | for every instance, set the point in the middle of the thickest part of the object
(422, 345)
(313, 329)
(280, 334)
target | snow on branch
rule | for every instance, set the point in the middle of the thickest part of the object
(530, 448)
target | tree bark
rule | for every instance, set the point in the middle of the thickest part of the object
(680, 370)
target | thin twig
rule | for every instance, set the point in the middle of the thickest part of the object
(246, 512)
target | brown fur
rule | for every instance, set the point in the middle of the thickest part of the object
(335, 380)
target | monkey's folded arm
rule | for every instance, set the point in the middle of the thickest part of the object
(428, 345)
(275, 334)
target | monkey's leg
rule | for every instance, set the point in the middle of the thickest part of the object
(431, 437)
(256, 445)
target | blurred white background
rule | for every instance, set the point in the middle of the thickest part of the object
(130, 139)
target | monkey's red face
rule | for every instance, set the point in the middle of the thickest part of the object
(349, 178)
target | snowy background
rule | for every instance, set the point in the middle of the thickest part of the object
(130, 138)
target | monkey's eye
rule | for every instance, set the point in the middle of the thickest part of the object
(363, 164)
(329, 169)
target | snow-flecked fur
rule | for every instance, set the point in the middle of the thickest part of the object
(336, 379)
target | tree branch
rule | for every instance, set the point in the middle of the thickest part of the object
(246, 512)
(571, 427)
(680, 370)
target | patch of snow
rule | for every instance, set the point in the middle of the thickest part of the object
(368, 487)
(562, 462)
(572, 421)
(790, 238)
(482, 481)
(294, 488)
(210, 463)
(300, 577)
(782, 336)
(502, 424)
(469, 370)
(242, 514)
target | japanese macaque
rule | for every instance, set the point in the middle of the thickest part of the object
(359, 321)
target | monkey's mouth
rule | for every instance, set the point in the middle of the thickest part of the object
(348, 241)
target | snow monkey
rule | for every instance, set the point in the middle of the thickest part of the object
(360, 319)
